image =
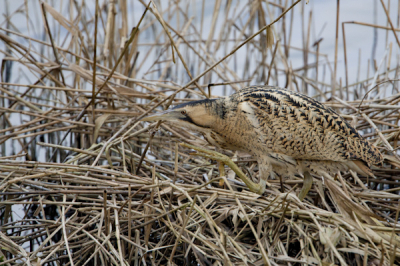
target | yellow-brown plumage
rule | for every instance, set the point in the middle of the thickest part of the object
(288, 132)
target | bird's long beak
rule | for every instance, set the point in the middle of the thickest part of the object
(166, 115)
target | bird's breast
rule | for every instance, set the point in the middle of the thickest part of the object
(236, 132)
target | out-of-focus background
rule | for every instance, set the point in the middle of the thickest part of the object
(77, 151)
(320, 47)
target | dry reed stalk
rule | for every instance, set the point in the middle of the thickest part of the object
(84, 182)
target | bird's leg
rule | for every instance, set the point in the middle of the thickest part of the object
(221, 168)
(223, 159)
(307, 183)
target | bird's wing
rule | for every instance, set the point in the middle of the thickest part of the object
(301, 127)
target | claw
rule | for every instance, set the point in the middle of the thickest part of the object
(307, 183)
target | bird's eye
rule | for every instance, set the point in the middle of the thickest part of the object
(183, 112)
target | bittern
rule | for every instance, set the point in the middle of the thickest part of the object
(289, 133)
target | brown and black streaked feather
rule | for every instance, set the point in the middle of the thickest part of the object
(301, 127)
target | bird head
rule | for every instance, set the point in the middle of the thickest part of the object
(198, 115)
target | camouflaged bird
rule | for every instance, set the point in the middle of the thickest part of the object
(289, 133)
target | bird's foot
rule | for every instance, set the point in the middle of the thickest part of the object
(223, 159)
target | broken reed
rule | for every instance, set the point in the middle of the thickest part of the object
(77, 186)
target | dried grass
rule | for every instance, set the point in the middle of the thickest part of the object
(83, 182)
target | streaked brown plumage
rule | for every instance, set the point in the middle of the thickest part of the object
(288, 132)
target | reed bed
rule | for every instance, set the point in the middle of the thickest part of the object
(84, 182)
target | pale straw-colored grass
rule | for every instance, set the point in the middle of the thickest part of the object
(84, 182)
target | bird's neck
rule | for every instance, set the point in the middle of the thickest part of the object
(212, 115)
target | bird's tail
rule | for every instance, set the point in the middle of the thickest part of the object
(360, 167)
